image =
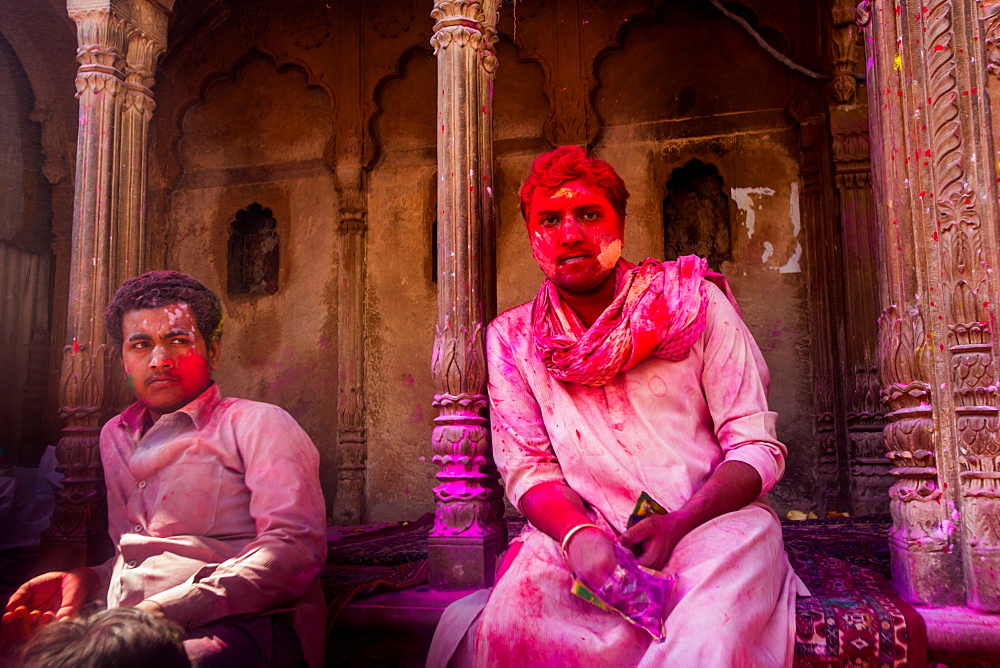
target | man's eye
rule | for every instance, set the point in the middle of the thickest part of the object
(139, 345)
(180, 341)
(588, 216)
(550, 221)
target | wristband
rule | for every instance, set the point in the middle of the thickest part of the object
(569, 534)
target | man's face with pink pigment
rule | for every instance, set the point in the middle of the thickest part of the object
(576, 235)
(167, 361)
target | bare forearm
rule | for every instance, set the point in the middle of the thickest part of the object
(732, 486)
(554, 508)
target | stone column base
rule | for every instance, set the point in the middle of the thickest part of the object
(462, 563)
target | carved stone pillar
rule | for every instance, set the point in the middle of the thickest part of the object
(349, 505)
(937, 215)
(137, 111)
(869, 467)
(825, 301)
(105, 242)
(468, 533)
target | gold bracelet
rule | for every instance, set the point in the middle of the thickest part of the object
(569, 534)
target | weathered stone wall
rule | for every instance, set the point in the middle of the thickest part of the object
(258, 136)
(235, 129)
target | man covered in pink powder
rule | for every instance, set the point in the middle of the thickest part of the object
(617, 380)
(214, 504)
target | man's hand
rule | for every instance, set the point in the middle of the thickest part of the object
(152, 607)
(591, 556)
(45, 599)
(657, 537)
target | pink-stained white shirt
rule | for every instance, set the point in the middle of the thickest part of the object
(215, 510)
(661, 427)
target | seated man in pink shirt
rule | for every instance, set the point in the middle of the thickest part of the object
(617, 380)
(214, 504)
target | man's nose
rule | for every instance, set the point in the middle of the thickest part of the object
(160, 358)
(571, 232)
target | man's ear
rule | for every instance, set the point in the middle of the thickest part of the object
(213, 353)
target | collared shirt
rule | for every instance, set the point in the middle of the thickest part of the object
(661, 427)
(215, 509)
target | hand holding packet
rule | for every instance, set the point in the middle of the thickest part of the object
(638, 594)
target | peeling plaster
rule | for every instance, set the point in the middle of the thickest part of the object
(742, 198)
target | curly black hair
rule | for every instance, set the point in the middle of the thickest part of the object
(163, 288)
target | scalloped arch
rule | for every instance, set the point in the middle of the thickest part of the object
(647, 17)
(228, 71)
(373, 148)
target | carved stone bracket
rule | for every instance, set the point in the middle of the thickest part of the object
(55, 167)
(468, 530)
(845, 48)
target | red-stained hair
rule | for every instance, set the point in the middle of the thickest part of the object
(570, 163)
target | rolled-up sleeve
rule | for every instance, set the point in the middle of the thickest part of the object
(281, 472)
(521, 446)
(736, 380)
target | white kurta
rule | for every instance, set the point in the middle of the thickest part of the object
(661, 427)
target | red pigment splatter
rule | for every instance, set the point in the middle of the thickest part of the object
(76, 346)
(938, 47)
(935, 236)
(942, 346)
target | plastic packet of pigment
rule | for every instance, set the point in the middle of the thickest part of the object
(637, 594)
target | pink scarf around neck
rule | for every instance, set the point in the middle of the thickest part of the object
(658, 310)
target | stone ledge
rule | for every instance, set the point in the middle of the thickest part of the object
(961, 629)
(390, 629)
(417, 609)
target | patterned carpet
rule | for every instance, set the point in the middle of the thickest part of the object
(854, 617)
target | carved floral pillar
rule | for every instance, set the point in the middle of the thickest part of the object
(349, 505)
(935, 203)
(118, 46)
(468, 531)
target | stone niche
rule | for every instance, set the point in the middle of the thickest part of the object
(253, 210)
(254, 257)
(696, 215)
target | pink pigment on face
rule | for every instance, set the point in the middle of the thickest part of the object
(575, 235)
